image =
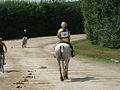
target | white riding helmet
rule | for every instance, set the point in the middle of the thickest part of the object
(63, 24)
(1, 38)
(25, 30)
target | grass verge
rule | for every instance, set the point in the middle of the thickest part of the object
(85, 48)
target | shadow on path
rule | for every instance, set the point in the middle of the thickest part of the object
(31, 47)
(82, 79)
(9, 71)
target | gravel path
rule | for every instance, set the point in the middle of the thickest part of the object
(34, 68)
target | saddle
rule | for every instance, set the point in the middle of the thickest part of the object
(63, 42)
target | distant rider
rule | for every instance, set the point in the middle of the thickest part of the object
(64, 36)
(2, 51)
(24, 34)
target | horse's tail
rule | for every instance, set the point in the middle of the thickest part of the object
(61, 51)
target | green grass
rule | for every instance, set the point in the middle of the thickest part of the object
(85, 48)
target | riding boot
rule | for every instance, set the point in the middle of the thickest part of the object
(72, 55)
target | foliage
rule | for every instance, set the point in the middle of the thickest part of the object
(40, 19)
(102, 22)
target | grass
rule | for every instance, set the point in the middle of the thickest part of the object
(85, 48)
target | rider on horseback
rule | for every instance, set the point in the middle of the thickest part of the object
(64, 36)
(24, 34)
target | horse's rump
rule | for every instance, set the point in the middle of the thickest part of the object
(62, 51)
(24, 40)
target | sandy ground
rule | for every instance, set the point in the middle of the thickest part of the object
(34, 68)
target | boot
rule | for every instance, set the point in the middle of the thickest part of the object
(72, 55)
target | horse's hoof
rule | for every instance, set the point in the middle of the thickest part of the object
(62, 79)
(65, 77)
(54, 56)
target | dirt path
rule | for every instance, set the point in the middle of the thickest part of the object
(34, 68)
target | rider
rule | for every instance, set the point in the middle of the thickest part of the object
(24, 34)
(64, 36)
(2, 51)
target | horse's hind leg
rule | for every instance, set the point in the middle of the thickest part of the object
(65, 73)
(66, 68)
(22, 45)
(25, 43)
(60, 71)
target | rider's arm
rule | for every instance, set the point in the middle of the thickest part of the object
(58, 33)
(5, 47)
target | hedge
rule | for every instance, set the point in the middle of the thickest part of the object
(40, 19)
(102, 22)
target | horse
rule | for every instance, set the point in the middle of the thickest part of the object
(1, 63)
(63, 54)
(24, 42)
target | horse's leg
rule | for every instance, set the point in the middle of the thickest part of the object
(60, 70)
(63, 67)
(22, 42)
(22, 45)
(66, 68)
(67, 71)
(25, 43)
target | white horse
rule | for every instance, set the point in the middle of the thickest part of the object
(24, 42)
(63, 54)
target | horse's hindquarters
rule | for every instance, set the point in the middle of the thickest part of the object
(24, 42)
(62, 50)
(63, 53)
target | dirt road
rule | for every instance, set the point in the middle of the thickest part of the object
(34, 68)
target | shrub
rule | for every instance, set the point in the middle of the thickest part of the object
(102, 22)
(40, 19)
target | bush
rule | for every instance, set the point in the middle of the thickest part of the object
(40, 19)
(102, 22)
